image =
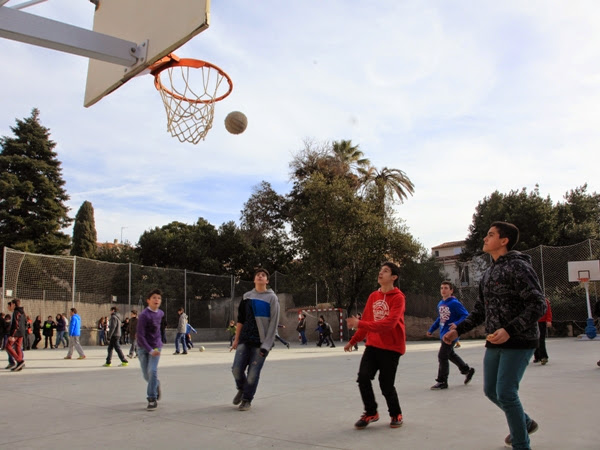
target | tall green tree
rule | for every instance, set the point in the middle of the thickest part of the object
(534, 215)
(349, 155)
(32, 195)
(387, 184)
(264, 222)
(578, 217)
(84, 232)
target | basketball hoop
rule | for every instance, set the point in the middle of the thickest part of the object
(584, 280)
(189, 94)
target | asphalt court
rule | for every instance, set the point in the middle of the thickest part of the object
(307, 399)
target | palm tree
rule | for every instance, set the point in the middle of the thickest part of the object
(349, 155)
(387, 183)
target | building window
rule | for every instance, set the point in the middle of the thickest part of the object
(436, 253)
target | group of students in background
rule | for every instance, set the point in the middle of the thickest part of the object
(35, 329)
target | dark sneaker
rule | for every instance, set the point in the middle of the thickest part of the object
(184, 353)
(438, 386)
(469, 375)
(67, 357)
(152, 405)
(544, 361)
(365, 420)
(531, 428)
(245, 405)
(177, 353)
(535, 361)
(598, 363)
(158, 393)
(396, 421)
(238, 397)
(18, 367)
(11, 366)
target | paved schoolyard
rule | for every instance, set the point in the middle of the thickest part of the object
(307, 399)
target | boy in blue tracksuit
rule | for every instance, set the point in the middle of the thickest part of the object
(451, 311)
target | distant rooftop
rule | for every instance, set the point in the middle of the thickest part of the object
(449, 244)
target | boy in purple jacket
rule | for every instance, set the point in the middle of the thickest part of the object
(150, 345)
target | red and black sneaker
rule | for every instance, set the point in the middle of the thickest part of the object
(365, 420)
(396, 421)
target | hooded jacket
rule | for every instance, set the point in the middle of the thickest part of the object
(18, 324)
(383, 321)
(451, 311)
(510, 297)
(182, 324)
(114, 326)
(259, 314)
(75, 325)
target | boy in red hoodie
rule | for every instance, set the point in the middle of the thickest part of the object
(382, 324)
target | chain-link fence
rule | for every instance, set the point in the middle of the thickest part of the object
(209, 299)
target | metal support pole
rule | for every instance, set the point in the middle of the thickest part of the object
(36, 30)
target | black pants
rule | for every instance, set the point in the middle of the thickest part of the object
(38, 338)
(48, 339)
(114, 344)
(446, 354)
(541, 352)
(386, 362)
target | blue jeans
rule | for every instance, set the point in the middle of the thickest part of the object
(60, 338)
(149, 365)
(180, 338)
(303, 336)
(503, 369)
(247, 357)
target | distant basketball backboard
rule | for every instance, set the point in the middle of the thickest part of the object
(584, 269)
(161, 25)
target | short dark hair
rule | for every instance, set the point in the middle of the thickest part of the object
(74, 310)
(152, 292)
(16, 302)
(114, 308)
(265, 271)
(395, 271)
(449, 284)
(134, 311)
(507, 230)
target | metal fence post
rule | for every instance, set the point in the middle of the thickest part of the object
(129, 288)
(543, 275)
(3, 277)
(74, 272)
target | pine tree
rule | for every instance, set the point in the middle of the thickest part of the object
(84, 232)
(32, 197)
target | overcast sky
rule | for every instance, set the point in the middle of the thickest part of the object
(466, 97)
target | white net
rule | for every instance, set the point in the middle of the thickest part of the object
(189, 94)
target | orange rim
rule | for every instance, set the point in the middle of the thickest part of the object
(173, 60)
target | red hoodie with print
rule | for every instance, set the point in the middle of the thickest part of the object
(383, 321)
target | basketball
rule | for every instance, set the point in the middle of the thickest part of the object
(201, 348)
(236, 122)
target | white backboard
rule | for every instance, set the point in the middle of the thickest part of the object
(584, 269)
(166, 24)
